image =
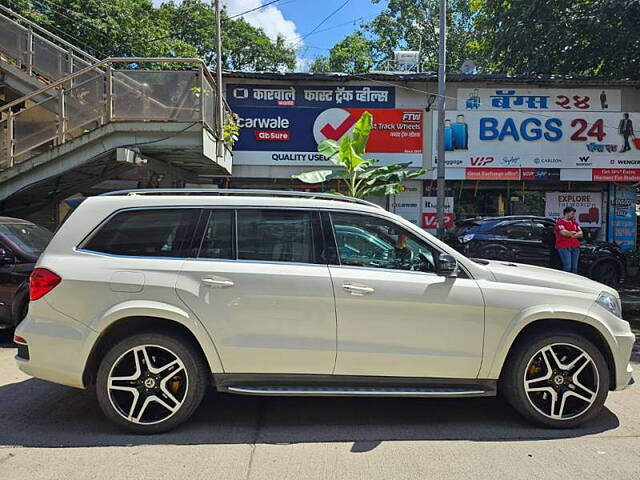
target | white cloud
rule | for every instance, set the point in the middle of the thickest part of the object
(270, 19)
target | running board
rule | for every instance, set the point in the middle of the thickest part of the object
(344, 391)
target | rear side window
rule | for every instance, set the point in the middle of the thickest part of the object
(279, 236)
(145, 233)
(217, 241)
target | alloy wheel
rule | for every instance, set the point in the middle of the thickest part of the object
(147, 384)
(561, 381)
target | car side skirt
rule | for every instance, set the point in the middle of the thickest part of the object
(352, 386)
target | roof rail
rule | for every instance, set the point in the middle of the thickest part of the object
(240, 191)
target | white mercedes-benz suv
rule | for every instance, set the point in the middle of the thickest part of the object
(150, 297)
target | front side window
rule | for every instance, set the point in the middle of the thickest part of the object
(279, 236)
(145, 233)
(366, 241)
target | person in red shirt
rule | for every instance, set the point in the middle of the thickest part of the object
(568, 235)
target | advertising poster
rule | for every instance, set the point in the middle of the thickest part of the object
(521, 139)
(510, 98)
(429, 213)
(283, 125)
(588, 206)
(615, 175)
(407, 204)
(622, 224)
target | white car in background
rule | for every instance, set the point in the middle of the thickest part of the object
(150, 297)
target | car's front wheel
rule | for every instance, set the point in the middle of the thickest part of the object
(151, 382)
(557, 380)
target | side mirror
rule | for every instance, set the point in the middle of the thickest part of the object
(447, 265)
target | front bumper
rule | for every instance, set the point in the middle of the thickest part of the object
(622, 360)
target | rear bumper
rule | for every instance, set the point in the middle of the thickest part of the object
(58, 347)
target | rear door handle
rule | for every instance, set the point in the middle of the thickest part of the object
(354, 289)
(219, 282)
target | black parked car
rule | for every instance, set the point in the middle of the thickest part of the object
(21, 243)
(530, 239)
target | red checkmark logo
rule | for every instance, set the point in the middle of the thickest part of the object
(337, 133)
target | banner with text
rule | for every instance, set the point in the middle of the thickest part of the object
(542, 99)
(588, 206)
(430, 216)
(582, 140)
(290, 136)
(622, 225)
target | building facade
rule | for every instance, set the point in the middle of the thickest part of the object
(513, 145)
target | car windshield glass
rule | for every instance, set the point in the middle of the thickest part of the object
(32, 239)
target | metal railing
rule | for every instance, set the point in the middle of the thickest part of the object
(99, 94)
(38, 51)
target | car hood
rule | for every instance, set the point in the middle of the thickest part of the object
(523, 274)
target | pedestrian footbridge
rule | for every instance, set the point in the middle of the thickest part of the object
(69, 121)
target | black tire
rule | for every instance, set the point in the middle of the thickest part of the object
(512, 381)
(606, 272)
(190, 391)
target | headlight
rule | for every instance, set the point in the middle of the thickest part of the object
(611, 303)
(465, 238)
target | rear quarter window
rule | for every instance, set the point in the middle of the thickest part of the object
(145, 233)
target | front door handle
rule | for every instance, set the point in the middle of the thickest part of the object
(219, 282)
(354, 289)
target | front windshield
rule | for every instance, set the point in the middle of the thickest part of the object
(30, 238)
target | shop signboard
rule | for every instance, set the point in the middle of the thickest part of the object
(484, 173)
(622, 223)
(540, 174)
(588, 206)
(430, 216)
(541, 99)
(615, 175)
(407, 204)
(325, 96)
(568, 139)
(290, 136)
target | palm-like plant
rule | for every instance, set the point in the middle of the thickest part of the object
(359, 175)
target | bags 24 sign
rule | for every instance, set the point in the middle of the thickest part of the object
(499, 139)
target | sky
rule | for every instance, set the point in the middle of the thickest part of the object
(295, 19)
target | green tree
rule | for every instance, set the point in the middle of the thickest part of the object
(413, 25)
(580, 37)
(359, 176)
(354, 54)
(177, 28)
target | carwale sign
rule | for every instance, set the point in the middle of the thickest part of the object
(290, 136)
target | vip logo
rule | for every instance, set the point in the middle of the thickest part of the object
(481, 161)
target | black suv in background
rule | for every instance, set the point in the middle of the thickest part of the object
(21, 243)
(530, 239)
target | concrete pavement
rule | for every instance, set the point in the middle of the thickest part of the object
(53, 432)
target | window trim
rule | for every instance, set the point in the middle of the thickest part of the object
(199, 234)
(81, 247)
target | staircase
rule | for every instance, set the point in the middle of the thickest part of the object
(72, 121)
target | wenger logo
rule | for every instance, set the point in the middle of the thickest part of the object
(481, 161)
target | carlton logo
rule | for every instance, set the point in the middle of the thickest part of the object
(481, 161)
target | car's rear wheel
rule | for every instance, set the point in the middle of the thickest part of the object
(151, 382)
(606, 272)
(556, 380)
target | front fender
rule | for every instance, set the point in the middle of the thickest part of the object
(147, 308)
(492, 366)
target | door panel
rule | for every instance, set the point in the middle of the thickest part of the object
(268, 318)
(412, 324)
(273, 310)
(396, 316)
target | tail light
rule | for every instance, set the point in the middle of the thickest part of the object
(41, 282)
